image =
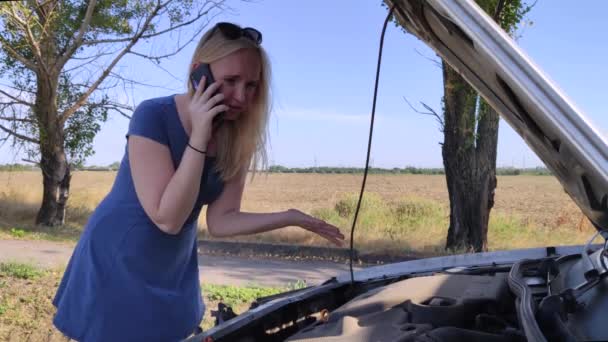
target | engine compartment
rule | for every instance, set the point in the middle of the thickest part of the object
(563, 299)
(549, 294)
(441, 307)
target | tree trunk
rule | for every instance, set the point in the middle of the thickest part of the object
(64, 194)
(53, 160)
(55, 174)
(469, 157)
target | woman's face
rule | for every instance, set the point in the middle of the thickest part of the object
(239, 75)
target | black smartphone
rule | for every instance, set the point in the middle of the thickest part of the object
(201, 70)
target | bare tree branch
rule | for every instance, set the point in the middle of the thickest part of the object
(127, 49)
(16, 119)
(121, 109)
(126, 80)
(8, 104)
(15, 17)
(35, 48)
(101, 54)
(110, 105)
(146, 36)
(30, 161)
(19, 136)
(42, 12)
(79, 37)
(180, 48)
(18, 89)
(430, 112)
(25, 25)
(98, 88)
(25, 103)
(166, 71)
(12, 106)
(157, 58)
(16, 55)
(88, 59)
(70, 111)
(120, 105)
(434, 61)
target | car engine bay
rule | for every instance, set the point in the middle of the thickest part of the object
(440, 307)
(559, 298)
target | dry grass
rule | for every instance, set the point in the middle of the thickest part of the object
(401, 213)
(26, 303)
(527, 209)
(26, 309)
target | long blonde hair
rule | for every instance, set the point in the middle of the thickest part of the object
(241, 143)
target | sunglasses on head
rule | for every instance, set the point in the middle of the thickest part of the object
(232, 31)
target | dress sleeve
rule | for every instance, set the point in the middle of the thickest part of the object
(149, 121)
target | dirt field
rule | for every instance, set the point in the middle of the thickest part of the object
(534, 204)
(402, 214)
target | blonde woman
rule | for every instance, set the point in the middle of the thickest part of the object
(134, 273)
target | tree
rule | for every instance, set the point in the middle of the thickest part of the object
(59, 57)
(114, 166)
(470, 128)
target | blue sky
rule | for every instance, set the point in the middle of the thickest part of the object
(324, 54)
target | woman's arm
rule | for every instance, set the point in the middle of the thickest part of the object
(225, 218)
(167, 195)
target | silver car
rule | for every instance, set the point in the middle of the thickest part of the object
(539, 294)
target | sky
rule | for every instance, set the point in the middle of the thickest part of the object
(324, 55)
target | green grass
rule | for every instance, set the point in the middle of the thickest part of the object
(510, 232)
(19, 270)
(379, 216)
(239, 298)
(412, 224)
(18, 233)
(236, 295)
(27, 231)
(233, 295)
(26, 311)
(405, 224)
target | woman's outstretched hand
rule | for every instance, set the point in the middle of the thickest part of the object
(317, 226)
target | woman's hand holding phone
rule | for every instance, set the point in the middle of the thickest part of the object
(202, 107)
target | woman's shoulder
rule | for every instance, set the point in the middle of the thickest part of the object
(157, 103)
(151, 118)
(154, 108)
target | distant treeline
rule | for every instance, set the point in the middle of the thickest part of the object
(31, 167)
(17, 167)
(410, 170)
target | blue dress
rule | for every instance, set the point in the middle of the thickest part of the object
(127, 280)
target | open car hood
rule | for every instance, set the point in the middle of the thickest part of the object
(478, 49)
(536, 294)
